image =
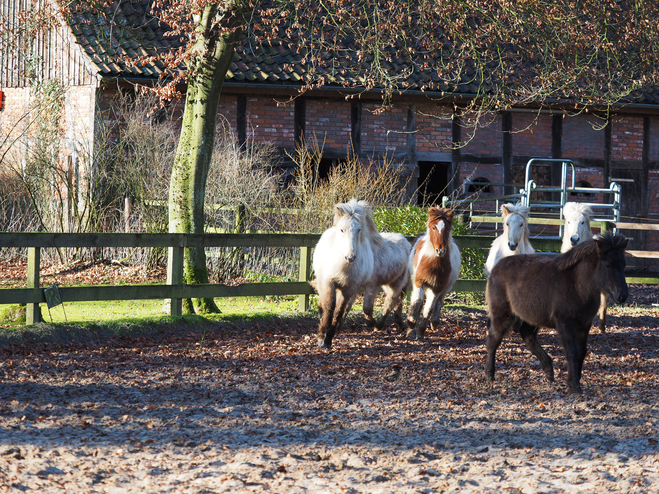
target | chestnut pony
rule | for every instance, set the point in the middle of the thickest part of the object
(434, 265)
(527, 292)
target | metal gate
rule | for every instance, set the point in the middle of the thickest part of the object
(608, 210)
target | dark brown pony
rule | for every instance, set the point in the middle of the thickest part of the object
(434, 266)
(528, 291)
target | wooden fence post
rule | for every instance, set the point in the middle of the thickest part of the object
(304, 270)
(32, 311)
(175, 276)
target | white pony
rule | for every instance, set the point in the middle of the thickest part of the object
(390, 253)
(343, 262)
(577, 224)
(576, 230)
(515, 236)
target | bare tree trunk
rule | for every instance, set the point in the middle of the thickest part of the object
(211, 60)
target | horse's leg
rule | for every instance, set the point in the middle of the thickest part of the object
(344, 300)
(398, 289)
(602, 313)
(581, 336)
(497, 327)
(398, 313)
(415, 309)
(439, 303)
(390, 301)
(574, 343)
(530, 336)
(326, 307)
(428, 310)
(370, 292)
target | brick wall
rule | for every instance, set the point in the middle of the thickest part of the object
(384, 130)
(488, 138)
(531, 135)
(226, 114)
(329, 121)
(433, 129)
(15, 106)
(271, 121)
(492, 172)
(581, 139)
(627, 138)
(594, 176)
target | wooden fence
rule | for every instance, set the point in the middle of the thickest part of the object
(174, 289)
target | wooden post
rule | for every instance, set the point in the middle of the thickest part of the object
(32, 311)
(240, 219)
(605, 226)
(127, 210)
(305, 268)
(175, 276)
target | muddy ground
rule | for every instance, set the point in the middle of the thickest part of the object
(202, 408)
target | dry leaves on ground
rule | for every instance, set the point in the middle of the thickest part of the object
(257, 407)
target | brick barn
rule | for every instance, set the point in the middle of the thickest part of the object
(420, 130)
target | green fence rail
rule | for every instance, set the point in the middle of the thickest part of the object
(174, 289)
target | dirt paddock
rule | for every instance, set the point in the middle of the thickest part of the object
(259, 408)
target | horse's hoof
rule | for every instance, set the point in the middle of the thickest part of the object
(575, 390)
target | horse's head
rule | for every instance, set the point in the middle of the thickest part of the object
(515, 224)
(349, 221)
(611, 267)
(440, 222)
(577, 224)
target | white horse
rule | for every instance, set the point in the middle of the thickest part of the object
(577, 224)
(390, 253)
(576, 230)
(343, 262)
(515, 236)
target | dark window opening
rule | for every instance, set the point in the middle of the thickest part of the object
(433, 182)
(582, 184)
(324, 168)
(480, 184)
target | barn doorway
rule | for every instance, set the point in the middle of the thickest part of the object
(433, 182)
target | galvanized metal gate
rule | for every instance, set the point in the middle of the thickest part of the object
(607, 210)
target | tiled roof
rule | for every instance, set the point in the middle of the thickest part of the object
(127, 30)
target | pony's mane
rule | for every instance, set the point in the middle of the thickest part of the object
(602, 243)
(371, 228)
(435, 213)
(347, 209)
(576, 209)
(516, 208)
(575, 255)
(363, 212)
